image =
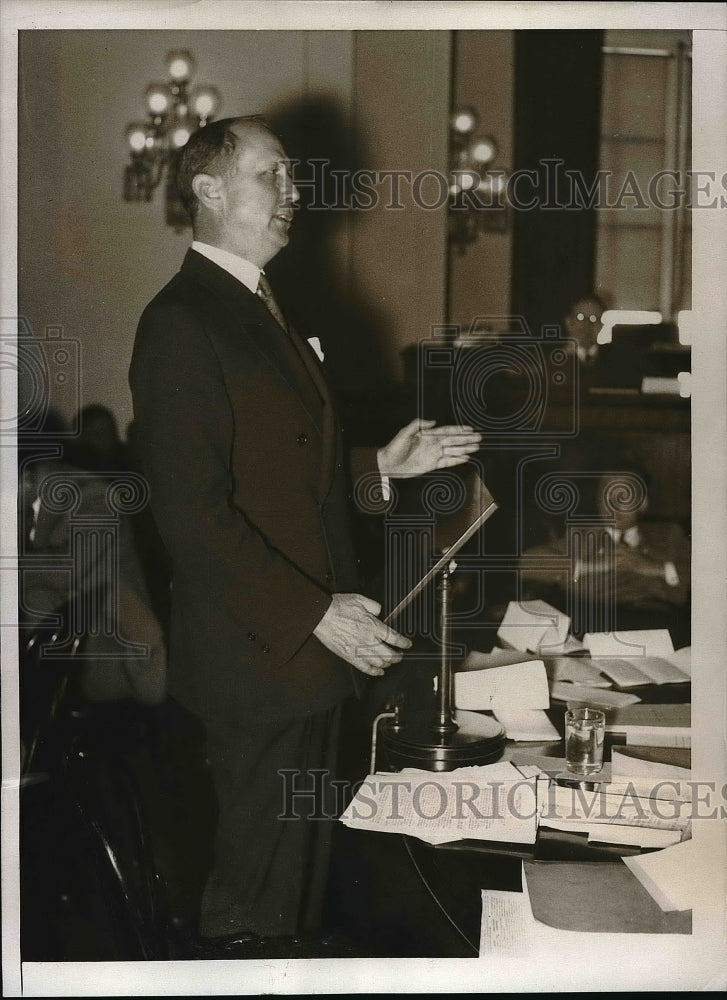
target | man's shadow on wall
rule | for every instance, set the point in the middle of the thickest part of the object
(317, 290)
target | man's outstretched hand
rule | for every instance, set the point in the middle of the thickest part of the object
(351, 629)
(421, 447)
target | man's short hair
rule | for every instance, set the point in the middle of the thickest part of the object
(209, 148)
(587, 297)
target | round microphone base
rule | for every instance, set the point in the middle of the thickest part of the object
(479, 740)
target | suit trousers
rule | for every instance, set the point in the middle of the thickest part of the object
(271, 856)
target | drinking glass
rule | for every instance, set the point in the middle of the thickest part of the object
(584, 729)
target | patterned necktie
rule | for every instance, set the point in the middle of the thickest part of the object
(265, 292)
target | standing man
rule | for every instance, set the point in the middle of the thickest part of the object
(239, 442)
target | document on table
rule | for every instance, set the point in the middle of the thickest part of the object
(526, 725)
(660, 738)
(570, 647)
(579, 694)
(533, 625)
(652, 725)
(682, 658)
(440, 807)
(660, 762)
(680, 877)
(568, 808)
(625, 765)
(632, 836)
(525, 760)
(510, 929)
(639, 670)
(517, 686)
(507, 923)
(578, 670)
(636, 643)
(652, 772)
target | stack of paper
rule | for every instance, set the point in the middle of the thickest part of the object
(647, 775)
(493, 802)
(617, 814)
(652, 725)
(534, 626)
(516, 693)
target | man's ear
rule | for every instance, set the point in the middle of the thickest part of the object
(207, 189)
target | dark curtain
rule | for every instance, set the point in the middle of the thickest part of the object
(557, 118)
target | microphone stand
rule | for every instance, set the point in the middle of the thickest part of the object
(442, 742)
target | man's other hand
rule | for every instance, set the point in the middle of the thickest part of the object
(351, 629)
(420, 447)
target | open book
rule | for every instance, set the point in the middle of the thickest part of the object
(634, 658)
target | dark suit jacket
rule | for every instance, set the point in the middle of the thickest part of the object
(240, 446)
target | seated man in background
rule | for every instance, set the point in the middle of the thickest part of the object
(583, 324)
(639, 568)
(104, 598)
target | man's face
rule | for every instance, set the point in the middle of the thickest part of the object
(613, 493)
(583, 322)
(258, 195)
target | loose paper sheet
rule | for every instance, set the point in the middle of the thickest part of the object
(517, 686)
(578, 670)
(526, 725)
(533, 625)
(680, 877)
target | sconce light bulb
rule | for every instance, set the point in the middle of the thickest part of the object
(180, 64)
(158, 98)
(205, 101)
(483, 150)
(466, 180)
(464, 120)
(136, 136)
(180, 136)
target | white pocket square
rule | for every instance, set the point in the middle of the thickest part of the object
(316, 345)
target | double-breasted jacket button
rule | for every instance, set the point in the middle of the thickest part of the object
(302, 439)
(252, 636)
(266, 648)
(329, 577)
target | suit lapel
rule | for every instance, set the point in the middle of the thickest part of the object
(287, 355)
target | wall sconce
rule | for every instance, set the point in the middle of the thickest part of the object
(477, 194)
(174, 113)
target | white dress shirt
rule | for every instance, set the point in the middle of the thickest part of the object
(244, 270)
